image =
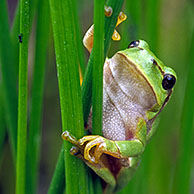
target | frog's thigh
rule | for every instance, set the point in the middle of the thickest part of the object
(113, 126)
(88, 38)
(100, 169)
(104, 173)
(126, 173)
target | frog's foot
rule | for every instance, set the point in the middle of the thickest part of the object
(92, 147)
(88, 38)
(95, 146)
(121, 18)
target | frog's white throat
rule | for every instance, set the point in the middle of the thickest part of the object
(129, 94)
(132, 82)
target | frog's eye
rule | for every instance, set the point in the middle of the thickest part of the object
(168, 81)
(134, 43)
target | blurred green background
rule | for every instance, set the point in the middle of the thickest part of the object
(168, 27)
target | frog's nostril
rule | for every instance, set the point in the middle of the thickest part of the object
(168, 81)
(134, 43)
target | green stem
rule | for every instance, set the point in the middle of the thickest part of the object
(97, 75)
(79, 45)
(33, 152)
(22, 99)
(2, 123)
(62, 13)
(58, 181)
(9, 78)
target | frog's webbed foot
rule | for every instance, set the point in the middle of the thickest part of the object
(91, 147)
(121, 18)
(88, 38)
(97, 146)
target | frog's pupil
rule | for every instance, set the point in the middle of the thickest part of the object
(134, 43)
(168, 81)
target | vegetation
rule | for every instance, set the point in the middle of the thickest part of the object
(41, 59)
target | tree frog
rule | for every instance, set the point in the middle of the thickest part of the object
(136, 87)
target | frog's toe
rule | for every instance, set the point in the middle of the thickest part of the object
(100, 149)
(88, 152)
(87, 138)
(75, 151)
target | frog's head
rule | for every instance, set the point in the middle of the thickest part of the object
(156, 79)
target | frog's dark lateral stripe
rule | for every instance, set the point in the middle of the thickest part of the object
(156, 64)
(139, 73)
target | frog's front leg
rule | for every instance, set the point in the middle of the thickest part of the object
(93, 146)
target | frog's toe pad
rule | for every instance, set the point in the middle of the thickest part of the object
(95, 143)
(75, 151)
(65, 135)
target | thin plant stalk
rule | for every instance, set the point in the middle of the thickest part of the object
(79, 45)
(58, 181)
(33, 152)
(97, 75)
(62, 13)
(2, 123)
(9, 77)
(22, 98)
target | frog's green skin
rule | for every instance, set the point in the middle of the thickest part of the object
(133, 97)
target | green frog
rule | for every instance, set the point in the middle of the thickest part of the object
(136, 88)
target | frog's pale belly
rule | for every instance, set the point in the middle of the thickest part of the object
(121, 110)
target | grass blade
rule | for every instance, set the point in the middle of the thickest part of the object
(183, 176)
(2, 123)
(97, 75)
(58, 180)
(33, 152)
(9, 78)
(16, 26)
(22, 98)
(62, 13)
(79, 45)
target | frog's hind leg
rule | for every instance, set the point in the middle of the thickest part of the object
(89, 36)
(126, 173)
(100, 169)
(88, 39)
